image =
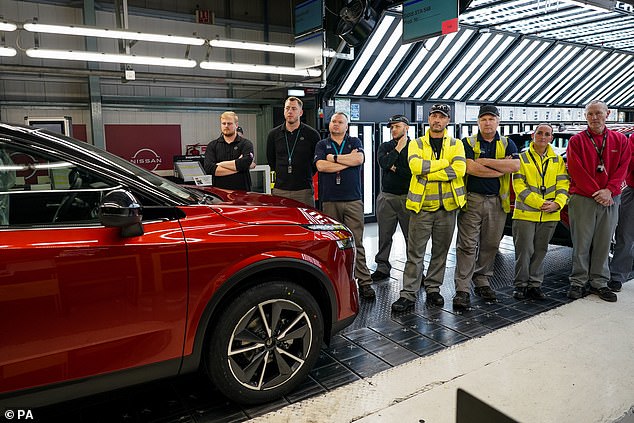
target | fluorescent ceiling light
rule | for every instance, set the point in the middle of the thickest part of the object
(369, 50)
(444, 61)
(384, 55)
(90, 56)
(588, 5)
(8, 51)
(6, 26)
(112, 33)
(296, 92)
(243, 67)
(248, 45)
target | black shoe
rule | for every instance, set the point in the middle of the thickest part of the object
(615, 286)
(535, 293)
(604, 293)
(367, 292)
(434, 298)
(485, 292)
(575, 292)
(402, 304)
(519, 293)
(461, 300)
(379, 276)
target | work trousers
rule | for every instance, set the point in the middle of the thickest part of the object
(591, 229)
(390, 211)
(621, 264)
(480, 229)
(306, 196)
(350, 213)
(531, 244)
(438, 225)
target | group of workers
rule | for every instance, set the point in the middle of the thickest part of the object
(435, 183)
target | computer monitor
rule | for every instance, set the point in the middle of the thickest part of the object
(186, 170)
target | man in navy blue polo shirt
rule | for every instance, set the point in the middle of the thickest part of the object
(339, 160)
(491, 159)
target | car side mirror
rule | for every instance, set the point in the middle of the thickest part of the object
(120, 209)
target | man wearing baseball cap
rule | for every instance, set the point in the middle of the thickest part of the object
(491, 159)
(436, 192)
(390, 203)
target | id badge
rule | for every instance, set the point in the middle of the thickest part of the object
(338, 179)
(290, 169)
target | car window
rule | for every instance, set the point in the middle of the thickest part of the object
(39, 189)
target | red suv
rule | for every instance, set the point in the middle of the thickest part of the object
(112, 276)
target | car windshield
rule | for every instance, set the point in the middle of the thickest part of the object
(167, 187)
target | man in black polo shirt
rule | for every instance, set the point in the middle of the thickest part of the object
(290, 149)
(390, 203)
(491, 159)
(339, 160)
(229, 157)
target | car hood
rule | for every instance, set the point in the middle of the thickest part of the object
(258, 209)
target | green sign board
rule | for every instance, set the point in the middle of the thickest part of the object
(428, 18)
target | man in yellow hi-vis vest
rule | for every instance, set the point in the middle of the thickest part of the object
(436, 192)
(491, 159)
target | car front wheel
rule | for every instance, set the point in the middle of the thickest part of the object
(265, 342)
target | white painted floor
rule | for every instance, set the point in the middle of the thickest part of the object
(571, 364)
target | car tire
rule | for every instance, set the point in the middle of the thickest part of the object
(265, 342)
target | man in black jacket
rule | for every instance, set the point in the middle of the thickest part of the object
(230, 157)
(390, 204)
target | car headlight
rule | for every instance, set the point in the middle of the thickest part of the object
(341, 234)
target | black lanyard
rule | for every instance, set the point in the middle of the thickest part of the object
(542, 171)
(596, 147)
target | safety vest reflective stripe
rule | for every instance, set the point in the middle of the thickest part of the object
(434, 183)
(530, 180)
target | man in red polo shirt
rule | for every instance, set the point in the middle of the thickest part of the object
(597, 163)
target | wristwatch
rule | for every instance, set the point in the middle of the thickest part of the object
(334, 157)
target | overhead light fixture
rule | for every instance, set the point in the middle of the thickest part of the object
(7, 51)
(90, 56)
(112, 33)
(6, 26)
(249, 45)
(266, 69)
(295, 92)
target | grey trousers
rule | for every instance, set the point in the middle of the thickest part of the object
(591, 229)
(480, 229)
(350, 213)
(390, 211)
(438, 225)
(531, 244)
(621, 264)
(306, 196)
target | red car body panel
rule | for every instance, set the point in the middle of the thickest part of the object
(68, 314)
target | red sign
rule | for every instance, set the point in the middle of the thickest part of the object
(450, 26)
(203, 16)
(151, 147)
